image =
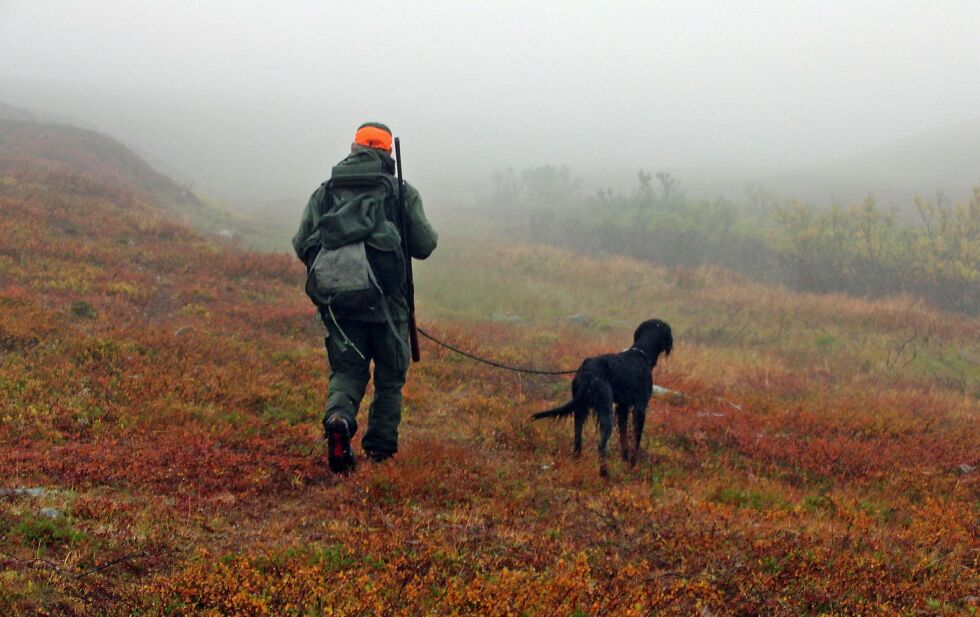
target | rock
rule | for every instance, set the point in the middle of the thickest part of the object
(671, 396)
(29, 492)
(580, 318)
(966, 468)
(51, 513)
(507, 318)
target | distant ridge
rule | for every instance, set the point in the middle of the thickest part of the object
(25, 143)
(946, 158)
(30, 144)
(9, 112)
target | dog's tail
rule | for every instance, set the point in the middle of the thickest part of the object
(565, 410)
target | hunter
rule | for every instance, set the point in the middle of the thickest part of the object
(377, 331)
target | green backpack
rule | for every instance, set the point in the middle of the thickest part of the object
(360, 259)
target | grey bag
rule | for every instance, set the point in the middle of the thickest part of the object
(342, 278)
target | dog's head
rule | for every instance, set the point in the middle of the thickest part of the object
(654, 337)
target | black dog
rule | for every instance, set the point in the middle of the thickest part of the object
(624, 380)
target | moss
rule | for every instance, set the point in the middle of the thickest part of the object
(44, 532)
(755, 500)
(82, 310)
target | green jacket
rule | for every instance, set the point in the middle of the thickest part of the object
(422, 238)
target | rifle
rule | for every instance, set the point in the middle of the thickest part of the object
(413, 330)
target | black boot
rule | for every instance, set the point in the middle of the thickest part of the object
(339, 453)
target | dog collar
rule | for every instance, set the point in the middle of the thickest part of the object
(642, 353)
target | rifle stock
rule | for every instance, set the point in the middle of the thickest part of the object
(413, 330)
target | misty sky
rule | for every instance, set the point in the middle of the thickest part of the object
(260, 98)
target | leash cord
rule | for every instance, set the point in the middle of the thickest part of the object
(490, 362)
(657, 390)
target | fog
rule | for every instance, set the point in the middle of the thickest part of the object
(254, 101)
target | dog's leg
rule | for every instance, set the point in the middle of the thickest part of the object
(581, 413)
(604, 411)
(639, 418)
(622, 423)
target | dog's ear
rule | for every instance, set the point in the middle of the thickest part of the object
(661, 332)
(667, 337)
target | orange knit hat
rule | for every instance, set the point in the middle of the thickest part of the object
(373, 135)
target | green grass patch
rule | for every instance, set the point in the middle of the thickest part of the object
(44, 532)
(332, 557)
(82, 310)
(755, 500)
(817, 503)
(878, 510)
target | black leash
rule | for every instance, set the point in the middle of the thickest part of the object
(661, 392)
(490, 362)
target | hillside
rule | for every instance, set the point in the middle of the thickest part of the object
(29, 146)
(9, 112)
(946, 158)
(74, 150)
(163, 393)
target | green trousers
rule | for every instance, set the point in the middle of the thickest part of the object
(350, 349)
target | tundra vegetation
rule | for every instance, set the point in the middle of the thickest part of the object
(931, 249)
(163, 388)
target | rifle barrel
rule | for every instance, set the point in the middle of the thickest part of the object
(413, 330)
